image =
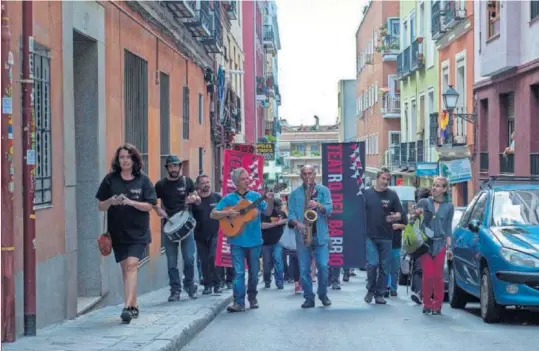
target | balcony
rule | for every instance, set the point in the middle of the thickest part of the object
(454, 12)
(277, 95)
(416, 59)
(297, 154)
(261, 89)
(389, 48)
(507, 164)
(270, 85)
(268, 38)
(182, 9)
(438, 28)
(403, 63)
(231, 8)
(213, 43)
(483, 162)
(534, 164)
(391, 105)
(201, 24)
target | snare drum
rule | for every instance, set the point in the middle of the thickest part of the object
(179, 226)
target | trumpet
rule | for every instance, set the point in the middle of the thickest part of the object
(310, 216)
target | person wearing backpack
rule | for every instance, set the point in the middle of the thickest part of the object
(437, 212)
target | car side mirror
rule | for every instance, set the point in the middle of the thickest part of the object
(474, 226)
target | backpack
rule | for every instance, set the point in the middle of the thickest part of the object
(413, 236)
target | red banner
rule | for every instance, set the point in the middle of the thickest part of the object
(254, 164)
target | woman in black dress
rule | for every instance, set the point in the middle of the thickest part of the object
(127, 195)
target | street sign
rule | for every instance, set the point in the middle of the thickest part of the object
(267, 150)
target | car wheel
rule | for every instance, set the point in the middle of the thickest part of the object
(403, 278)
(458, 298)
(491, 312)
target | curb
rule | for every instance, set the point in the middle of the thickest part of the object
(189, 331)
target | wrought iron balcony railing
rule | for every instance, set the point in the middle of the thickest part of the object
(182, 9)
(534, 164)
(213, 43)
(507, 163)
(408, 154)
(416, 59)
(437, 25)
(391, 105)
(268, 38)
(201, 24)
(232, 10)
(403, 63)
(483, 162)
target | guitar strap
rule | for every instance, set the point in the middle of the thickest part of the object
(242, 196)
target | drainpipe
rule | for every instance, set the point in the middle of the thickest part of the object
(29, 165)
(8, 236)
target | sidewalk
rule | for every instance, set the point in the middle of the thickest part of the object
(162, 325)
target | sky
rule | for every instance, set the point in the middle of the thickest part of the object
(317, 50)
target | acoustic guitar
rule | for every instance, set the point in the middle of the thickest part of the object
(232, 227)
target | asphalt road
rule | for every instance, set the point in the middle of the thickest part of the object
(351, 324)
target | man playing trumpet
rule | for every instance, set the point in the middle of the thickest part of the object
(308, 208)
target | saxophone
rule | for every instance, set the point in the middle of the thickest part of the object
(310, 216)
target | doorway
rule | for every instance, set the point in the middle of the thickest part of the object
(86, 102)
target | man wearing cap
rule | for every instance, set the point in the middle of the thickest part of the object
(176, 193)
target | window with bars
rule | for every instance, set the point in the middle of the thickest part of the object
(42, 118)
(136, 103)
(200, 109)
(164, 112)
(534, 9)
(186, 113)
(493, 13)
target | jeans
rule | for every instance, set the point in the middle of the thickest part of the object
(321, 258)
(334, 274)
(378, 262)
(417, 275)
(239, 255)
(393, 276)
(433, 280)
(286, 267)
(294, 267)
(272, 257)
(188, 254)
(206, 253)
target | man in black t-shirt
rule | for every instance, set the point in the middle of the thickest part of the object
(272, 251)
(177, 193)
(383, 208)
(206, 234)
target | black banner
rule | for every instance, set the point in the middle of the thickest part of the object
(343, 173)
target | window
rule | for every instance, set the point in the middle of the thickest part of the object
(421, 20)
(461, 124)
(479, 208)
(493, 15)
(516, 208)
(200, 109)
(412, 27)
(200, 160)
(136, 104)
(42, 114)
(394, 138)
(164, 111)
(186, 113)
(510, 100)
(534, 9)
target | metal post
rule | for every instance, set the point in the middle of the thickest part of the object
(255, 33)
(8, 236)
(29, 161)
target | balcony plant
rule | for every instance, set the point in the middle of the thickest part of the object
(383, 31)
(297, 153)
(385, 48)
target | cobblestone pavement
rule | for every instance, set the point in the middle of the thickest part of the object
(162, 325)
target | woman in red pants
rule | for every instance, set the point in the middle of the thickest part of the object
(438, 215)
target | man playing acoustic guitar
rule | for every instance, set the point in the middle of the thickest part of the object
(247, 244)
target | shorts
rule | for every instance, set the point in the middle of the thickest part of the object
(122, 252)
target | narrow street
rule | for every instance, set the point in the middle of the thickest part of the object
(350, 324)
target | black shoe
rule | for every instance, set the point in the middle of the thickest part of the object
(192, 292)
(280, 287)
(325, 301)
(309, 303)
(217, 290)
(267, 285)
(379, 300)
(229, 285)
(174, 296)
(336, 286)
(427, 311)
(393, 294)
(353, 273)
(126, 315)
(206, 291)
(253, 303)
(235, 307)
(134, 311)
(346, 278)
(416, 298)
(386, 294)
(436, 312)
(369, 297)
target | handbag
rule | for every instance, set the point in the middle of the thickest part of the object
(104, 241)
(288, 239)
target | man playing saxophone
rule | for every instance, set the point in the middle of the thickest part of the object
(308, 208)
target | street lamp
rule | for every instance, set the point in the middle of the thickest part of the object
(451, 97)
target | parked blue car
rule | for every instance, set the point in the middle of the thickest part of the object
(496, 248)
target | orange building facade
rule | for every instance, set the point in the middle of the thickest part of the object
(103, 76)
(377, 89)
(456, 68)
